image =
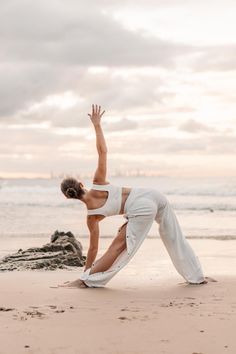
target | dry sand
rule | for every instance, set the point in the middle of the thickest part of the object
(146, 308)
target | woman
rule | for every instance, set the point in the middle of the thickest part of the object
(140, 206)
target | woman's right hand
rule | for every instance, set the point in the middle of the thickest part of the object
(96, 114)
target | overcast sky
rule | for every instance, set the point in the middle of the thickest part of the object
(164, 71)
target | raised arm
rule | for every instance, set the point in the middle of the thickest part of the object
(100, 173)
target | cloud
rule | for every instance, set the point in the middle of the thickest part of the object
(59, 57)
(119, 95)
(222, 144)
(46, 48)
(192, 126)
(35, 150)
(23, 84)
(121, 125)
(138, 145)
(70, 32)
(216, 58)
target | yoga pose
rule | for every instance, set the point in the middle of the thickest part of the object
(141, 207)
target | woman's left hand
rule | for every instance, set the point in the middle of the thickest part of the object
(96, 114)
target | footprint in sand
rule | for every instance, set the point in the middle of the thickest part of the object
(59, 311)
(123, 318)
(35, 314)
(131, 310)
(53, 307)
(180, 304)
(6, 309)
(25, 315)
(144, 318)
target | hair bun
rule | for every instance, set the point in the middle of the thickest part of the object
(71, 192)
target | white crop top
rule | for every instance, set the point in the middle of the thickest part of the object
(112, 205)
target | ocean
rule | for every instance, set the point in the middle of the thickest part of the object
(32, 208)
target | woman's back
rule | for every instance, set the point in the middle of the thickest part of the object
(117, 197)
(112, 205)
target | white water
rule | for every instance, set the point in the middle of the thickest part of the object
(206, 207)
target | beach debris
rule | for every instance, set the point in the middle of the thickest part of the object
(62, 252)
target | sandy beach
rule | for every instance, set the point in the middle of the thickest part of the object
(146, 308)
(115, 112)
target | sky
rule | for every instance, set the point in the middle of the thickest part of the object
(163, 70)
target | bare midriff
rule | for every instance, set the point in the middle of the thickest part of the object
(125, 193)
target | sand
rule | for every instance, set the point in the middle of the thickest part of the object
(146, 308)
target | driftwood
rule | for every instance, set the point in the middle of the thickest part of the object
(63, 252)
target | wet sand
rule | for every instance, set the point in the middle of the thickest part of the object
(146, 308)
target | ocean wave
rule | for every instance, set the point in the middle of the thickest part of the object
(178, 207)
(210, 208)
(194, 193)
(168, 186)
(45, 235)
(189, 196)
(37, 205)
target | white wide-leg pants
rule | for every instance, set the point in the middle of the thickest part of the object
(144, 206)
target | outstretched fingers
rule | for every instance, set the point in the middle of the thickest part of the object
(96, 114)
(97, 110)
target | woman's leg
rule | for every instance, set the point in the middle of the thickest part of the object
(117, 246)
(182, 255)
(134, 232)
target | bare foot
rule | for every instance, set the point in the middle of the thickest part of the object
(74, 284)
(205, 281)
